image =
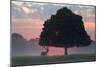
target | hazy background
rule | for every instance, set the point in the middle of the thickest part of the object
(28, 19)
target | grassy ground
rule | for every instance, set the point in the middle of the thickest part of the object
(30, 60)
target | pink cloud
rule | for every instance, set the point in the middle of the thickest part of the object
(22, 20)
(35, 27)
(89, 26)
(32, 30)
(26, 20)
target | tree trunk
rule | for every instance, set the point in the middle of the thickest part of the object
(66, 53)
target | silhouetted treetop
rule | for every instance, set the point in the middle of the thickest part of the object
(64, 29)
(64, 12)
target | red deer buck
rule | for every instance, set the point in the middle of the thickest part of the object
(44, 53)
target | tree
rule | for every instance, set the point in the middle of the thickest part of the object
(64, 29)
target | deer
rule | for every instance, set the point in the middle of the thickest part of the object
(44, 53)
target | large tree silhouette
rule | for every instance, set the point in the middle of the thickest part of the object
(64, 29)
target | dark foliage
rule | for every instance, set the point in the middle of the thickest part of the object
(64, 29)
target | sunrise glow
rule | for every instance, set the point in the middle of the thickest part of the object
(27, 19)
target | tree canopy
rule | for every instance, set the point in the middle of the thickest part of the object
(64, 29)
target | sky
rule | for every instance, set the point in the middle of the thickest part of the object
(27, 18)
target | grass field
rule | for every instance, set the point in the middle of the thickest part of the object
(38, 60)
